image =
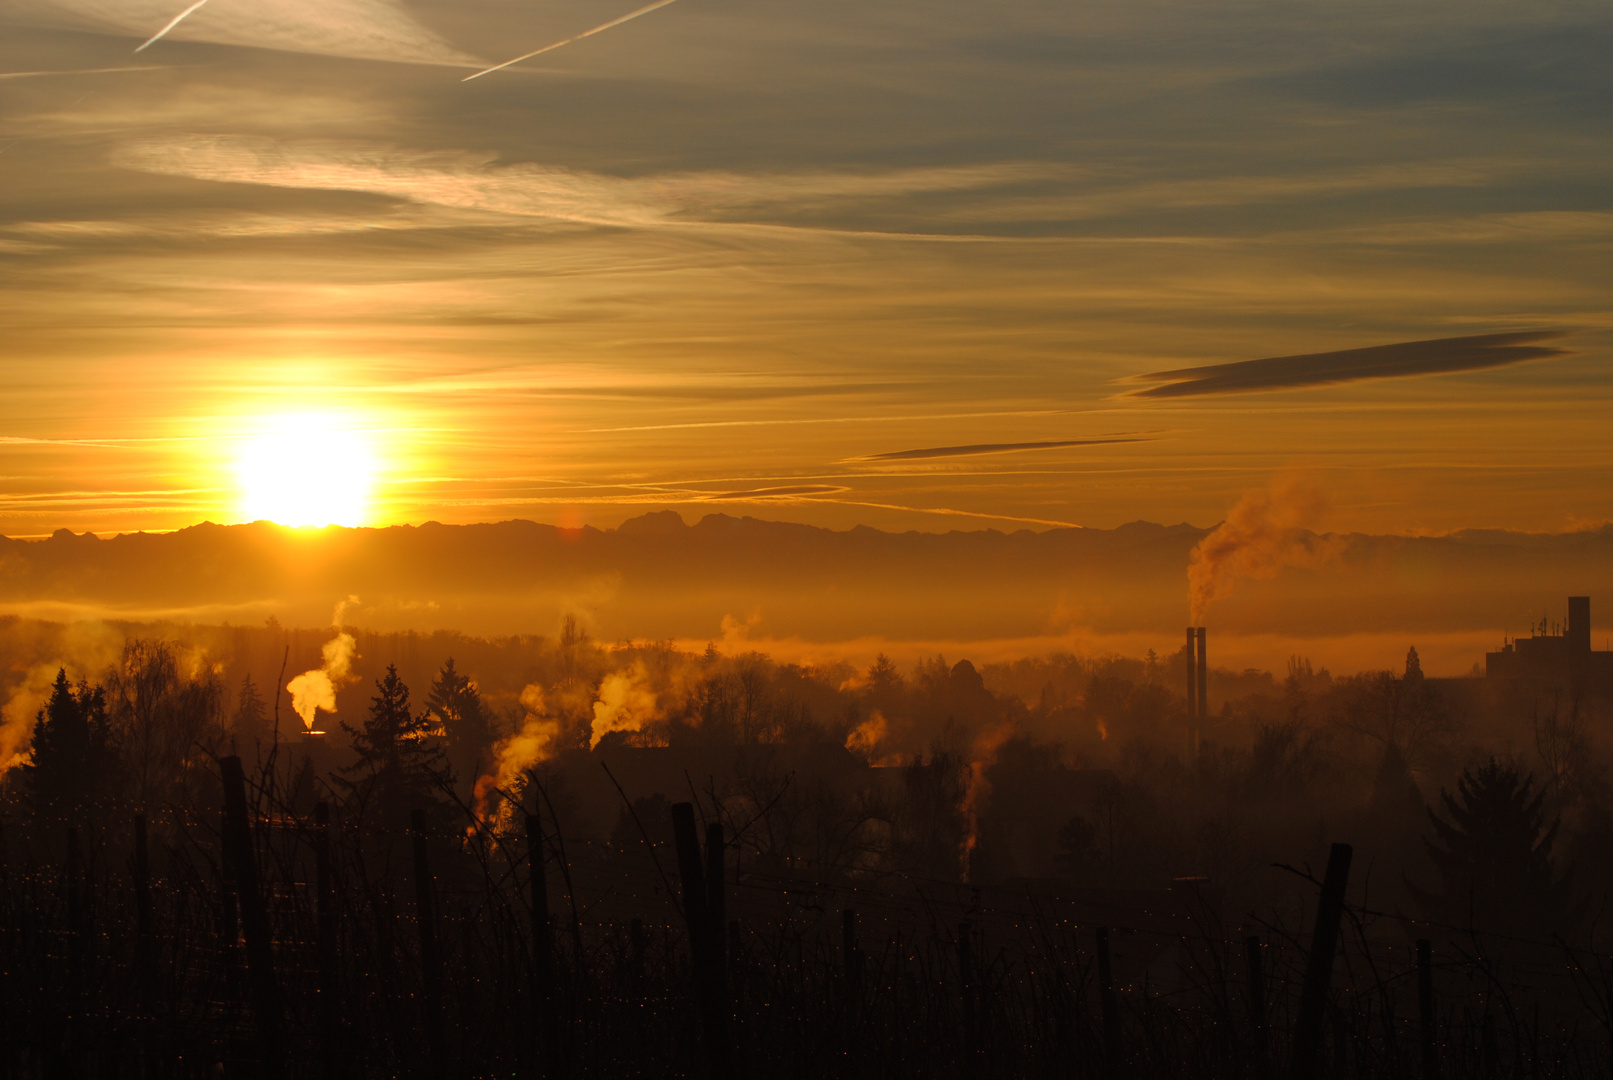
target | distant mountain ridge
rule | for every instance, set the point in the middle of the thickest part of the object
(657, 576)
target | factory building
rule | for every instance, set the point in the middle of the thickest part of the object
(1559, 655)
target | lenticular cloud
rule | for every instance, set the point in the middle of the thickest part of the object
(363, 29)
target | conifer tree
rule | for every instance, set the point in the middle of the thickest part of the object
(73, 763)
(400, 765)
(251, 721)
(456, 706)
(1494, 857)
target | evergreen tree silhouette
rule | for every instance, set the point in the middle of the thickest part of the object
(456, 706)
(74, 765)
(400, 765)
(1494, 857)
(250, 724)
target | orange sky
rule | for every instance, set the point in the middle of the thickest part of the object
(722, 256)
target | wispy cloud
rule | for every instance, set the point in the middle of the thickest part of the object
(1437, 356)
(476, 182)
(793, 492)
(981, 449)
(364, 29)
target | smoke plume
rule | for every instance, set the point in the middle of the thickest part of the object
(514, 755)
(18, 715)
(1265, 533)
(867, 739)
(867, 736)
(82, 648)
(626, 703)
(315, 690)
(978, 793)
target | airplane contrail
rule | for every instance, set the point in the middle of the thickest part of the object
(645, 10)
(177, 19)
(79, 71)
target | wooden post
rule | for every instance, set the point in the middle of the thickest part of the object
(77, 935)
(7, 1011)
(142, 910)
(330, 1014)
(970, 998)
(1428, 1021)
(717, 902)
(705, 954)
(1319, 966)
(635, 951)
(1113, 1048)
(850, 954)
(145, 998)
(717, 944)
(72, 882)
(7, 1040)
(229, 938)
(425, 912)
(242, 859)
(692, 877)
(1259, 1043)
(543, 1025)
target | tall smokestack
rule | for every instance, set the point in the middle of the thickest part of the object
(1192, 682)
(1204, 679)
(1579, 624)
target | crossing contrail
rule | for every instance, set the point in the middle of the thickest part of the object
(645, 10)
(177, 19)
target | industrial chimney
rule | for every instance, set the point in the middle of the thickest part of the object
(1198, 698)
(1204, 679)
(1192, 680)
(1579, 624)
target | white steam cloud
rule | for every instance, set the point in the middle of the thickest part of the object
(18, 715)
(626, 703)
(514, 755)
(316, 689)
(1264, 534)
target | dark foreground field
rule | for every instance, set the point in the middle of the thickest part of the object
(246, 939)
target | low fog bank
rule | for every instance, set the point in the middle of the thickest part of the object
(1047, 768)
(795, 587)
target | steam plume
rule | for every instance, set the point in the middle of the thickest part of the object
(514, 755)
(869, 734)
(315, 690)
(978, 792)
(18, 715)
(626, 703)
(1264, 534)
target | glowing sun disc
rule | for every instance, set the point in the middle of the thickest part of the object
(306, 470)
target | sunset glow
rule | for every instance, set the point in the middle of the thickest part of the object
(1004, 501)
(306, 470)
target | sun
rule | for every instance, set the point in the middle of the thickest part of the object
(306, 469)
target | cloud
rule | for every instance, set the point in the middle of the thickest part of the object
(80, 71)
(619, 20)
(978, 449)
(362, 29)
(474, 182)
(1437, 356)
(778, 492)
